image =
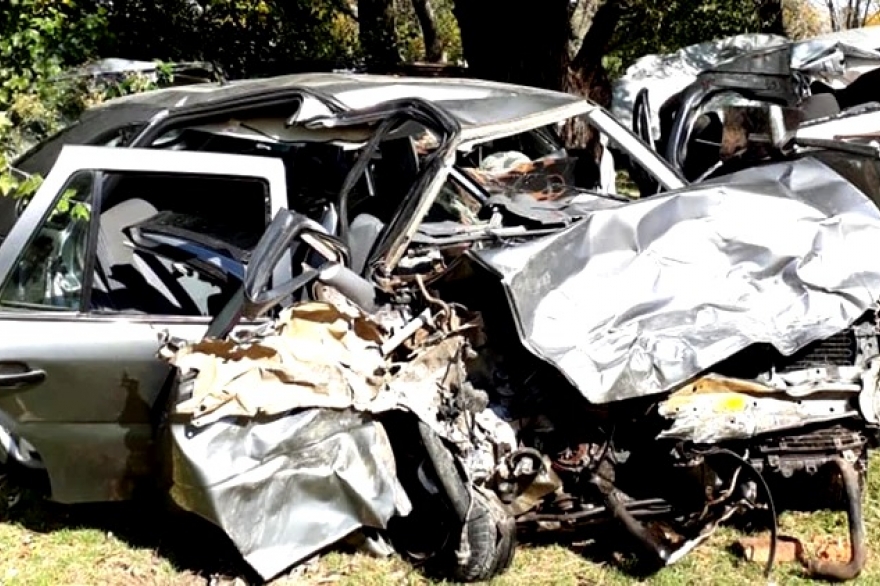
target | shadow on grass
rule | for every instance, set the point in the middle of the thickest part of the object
(188, 542)
(608, 544)
(194, 545)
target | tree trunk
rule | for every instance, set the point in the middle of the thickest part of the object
(833, 15)
(559, 46)
(586, 75)
(770, 14)
(377, 32)
(428, 23)
(512, 41)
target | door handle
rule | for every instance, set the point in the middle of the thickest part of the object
(21, 379)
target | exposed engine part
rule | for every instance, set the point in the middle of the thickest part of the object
(807, 452)
(841, 349)
(614, 501)
(858, 550)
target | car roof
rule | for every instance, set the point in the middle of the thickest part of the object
(473, 102)
(485, 110)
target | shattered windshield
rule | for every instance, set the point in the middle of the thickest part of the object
(609, 162)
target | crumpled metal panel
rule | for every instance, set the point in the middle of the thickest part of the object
(714, 409)
(829, 55)
(272, 437)
(316, 355)
(285, 488)
(635, 300)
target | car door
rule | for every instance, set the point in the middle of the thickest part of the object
(78, 383)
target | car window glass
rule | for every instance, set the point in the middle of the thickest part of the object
(456, 204)
(50, 271)
(537, 163)
(231, 210)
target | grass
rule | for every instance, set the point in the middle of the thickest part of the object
(127, 544)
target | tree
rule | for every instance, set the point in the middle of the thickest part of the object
(848, 14)
(377, 25)
(553, 47)
(428, 23)
(803, 19)
(570, 44)
(771, 16)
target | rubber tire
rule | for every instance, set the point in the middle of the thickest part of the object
(488, 528)
(506, 546)
(491, 539)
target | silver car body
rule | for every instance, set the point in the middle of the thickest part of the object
(75, 381)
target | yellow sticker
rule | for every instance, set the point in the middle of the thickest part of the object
(730, 403)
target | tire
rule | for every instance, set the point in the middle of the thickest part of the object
(491, 542)
(488, 530)
(506, 544)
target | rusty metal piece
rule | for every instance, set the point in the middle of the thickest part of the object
(445, 317)
(716, 383)
(757, 549)
(841, 572)
(615, 504)
(573, 460)
(541, 482)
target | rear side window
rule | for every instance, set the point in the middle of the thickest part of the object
(131, 281)
(81, 258)
(51, 269)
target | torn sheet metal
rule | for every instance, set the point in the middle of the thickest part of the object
(714, 409)
(273, 434)
(638, 299)
(275, 443)
(667, 75)
(317, 356)
(286, 487)
(838, 58)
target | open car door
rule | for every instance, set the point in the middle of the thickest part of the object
(81, 314)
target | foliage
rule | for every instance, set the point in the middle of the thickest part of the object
(38, 39)
(411, 35)
(244, 37)
(41, 40)
(24, 188)
(803, 19)
(648, 26)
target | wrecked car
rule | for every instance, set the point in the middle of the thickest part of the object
(659, 364)
(147, 221)
(766, 104)
(431, 332)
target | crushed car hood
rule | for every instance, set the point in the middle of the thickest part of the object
(637, 299)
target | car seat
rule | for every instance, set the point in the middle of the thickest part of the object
(126, 280)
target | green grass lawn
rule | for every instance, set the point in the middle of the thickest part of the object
(111, 545)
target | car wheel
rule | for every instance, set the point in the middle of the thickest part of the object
(484, 543)
(491, 542)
